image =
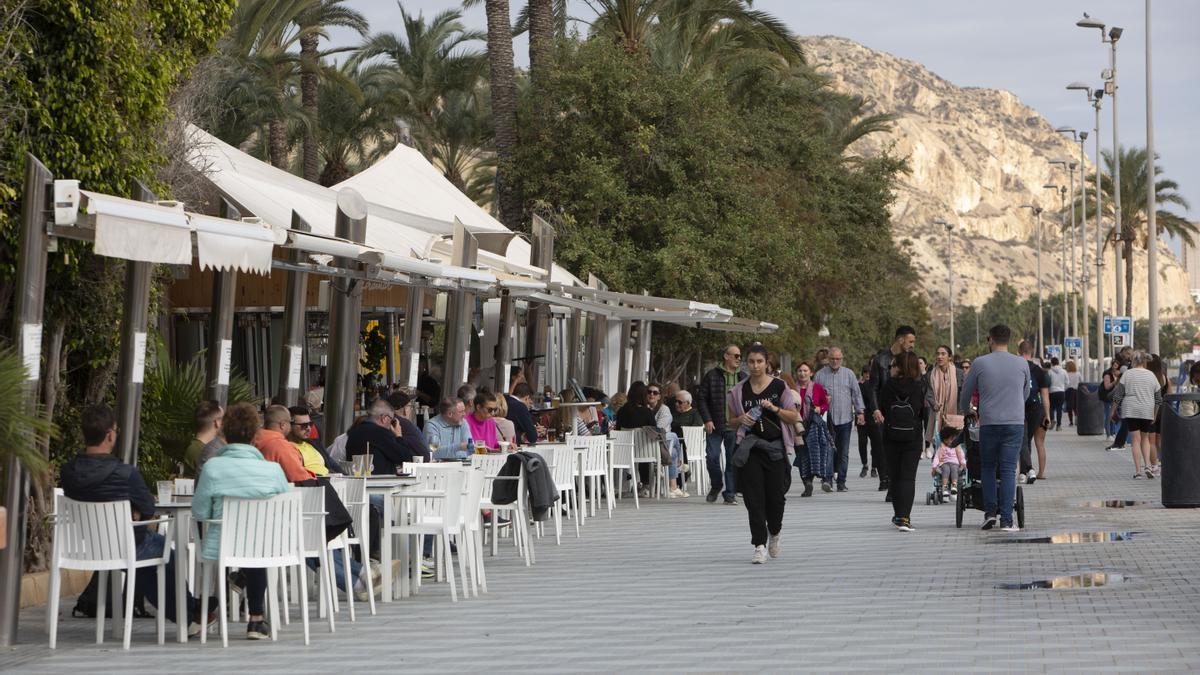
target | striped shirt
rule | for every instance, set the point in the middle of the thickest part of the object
(845, 397)
(1138, 394)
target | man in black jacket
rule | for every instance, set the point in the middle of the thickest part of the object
(881, 365)
(713, 407)
(518, 413)
(379, 436)
(95, 475)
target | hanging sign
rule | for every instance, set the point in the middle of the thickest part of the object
(295, 363)
(223, 365)
(138, 374)
(31, 349)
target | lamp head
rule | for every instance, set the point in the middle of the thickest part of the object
(1083, 135)
(1079, 85)
(1058, 161)
(1089, 22)
(1097, 95)
(1050, 186)
(1114, 33)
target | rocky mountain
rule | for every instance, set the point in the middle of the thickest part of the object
(976, 155)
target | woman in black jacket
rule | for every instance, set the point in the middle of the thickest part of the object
(636, 412)
(902, 402)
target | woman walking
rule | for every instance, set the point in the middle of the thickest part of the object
(817, 459)
(1137, 398)
(902, 402)
(944, 382)
(1074, 378)
(768, 411)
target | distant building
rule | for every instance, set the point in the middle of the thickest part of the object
(1191, 263)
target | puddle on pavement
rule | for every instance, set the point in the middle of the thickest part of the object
(1084, 580)
(1070, 538)
(1115, 503)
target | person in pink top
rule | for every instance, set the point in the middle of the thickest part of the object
(812, 397)
(949, 460)
(481, 422)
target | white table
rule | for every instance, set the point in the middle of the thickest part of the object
(388, 486)
(180, 514)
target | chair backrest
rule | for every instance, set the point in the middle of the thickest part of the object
(94, 535)
(185, 486)
(472, 494)
(595, 449)
(263, 532)
(563, 468)
(694, 440)
(491, 465)
(645, 447)
(448, 481)
(622, 441)
(357, 503)
(313, 506)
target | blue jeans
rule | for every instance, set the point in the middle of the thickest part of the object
(146, 578)
(712, 456)
(339, 575)
(841, 450)
(673, 443)
(999, 445)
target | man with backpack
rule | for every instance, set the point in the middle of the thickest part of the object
(881, 364)
(1002, 381)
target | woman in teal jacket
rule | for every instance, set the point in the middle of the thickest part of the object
(238, 470)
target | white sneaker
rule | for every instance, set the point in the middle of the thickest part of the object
(927, 453)
(1011, 527)
(773, 545)
(675, 493)
(1021, 479)
(1031, 477)
(760, 555)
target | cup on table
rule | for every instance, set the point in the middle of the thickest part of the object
(480, 448)
(504, 446)
(551, 435)
(166, 491)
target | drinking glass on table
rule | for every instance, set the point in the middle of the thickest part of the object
(166, 491)
(435, 442)
(480, 447)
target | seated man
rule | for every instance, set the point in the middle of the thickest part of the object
(410, 435)
(95, 475)
(272, 442)
(518, 413)
(448, 434)
(316, 461)
(379, 436)
(208, 440)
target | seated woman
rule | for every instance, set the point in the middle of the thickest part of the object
(505, 429)
(482, 419)
(238, 470)
(578, 420)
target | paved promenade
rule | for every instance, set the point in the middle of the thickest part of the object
(670, 588)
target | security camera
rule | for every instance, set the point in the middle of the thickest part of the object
(1099, 94)
(66, 202)
(1114, 33)
(1083, 135)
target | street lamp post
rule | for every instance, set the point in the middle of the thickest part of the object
(1071, 319)
(1037, 211)
(949, 276)
(1094, 97)
(1110, 87)
(1151, 220)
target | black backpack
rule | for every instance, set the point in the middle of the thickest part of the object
(901, 421)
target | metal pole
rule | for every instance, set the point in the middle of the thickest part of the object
(1062, 207)
(220, 326)
(1100, 238)
(574, 348)
(291, 365)
(1041, 321)
(1083, 258)
(950, 282)
(27, 337)
(1122, 302)
(410, 341)
(597, 329)
(1074, 320)
(537, 316)
(503, 366)
(459, 310)
(131, 369)
(623, 370)
(390, 330)
(345, 317)
(1151, 206)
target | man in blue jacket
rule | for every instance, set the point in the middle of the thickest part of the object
(95, 475)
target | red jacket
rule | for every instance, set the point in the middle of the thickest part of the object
(820, 400)
(275, 447)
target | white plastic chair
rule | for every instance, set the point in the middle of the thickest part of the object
(315, 546)
(440, 517)
(98, 536)
(491, 465)
(595, 469)
(359, 505)
(646, 450)
(472, 528)
(562, 470)
(341, 543)
(695, 442)
(258, 533)
(622, 460)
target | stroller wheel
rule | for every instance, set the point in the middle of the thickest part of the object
(958, 512)
(928, 498)
(1019, 507)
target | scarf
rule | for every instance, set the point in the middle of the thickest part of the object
(945, 390)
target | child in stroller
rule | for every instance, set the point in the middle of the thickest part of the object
(948, 460)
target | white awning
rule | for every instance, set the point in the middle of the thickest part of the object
(224, 244)
(739, 325)
(647, 301)
(134, 230)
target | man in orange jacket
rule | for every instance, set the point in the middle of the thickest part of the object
(272, 442)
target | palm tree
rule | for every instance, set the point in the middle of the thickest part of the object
(429, 60)
(312, 24)
(847, 119)
(503, 85)
(356, 123)
(541, 37)
(458, 141)
(1134, 201)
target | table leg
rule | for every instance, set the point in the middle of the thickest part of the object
(182, 526)
(405, 553)
(385, 549)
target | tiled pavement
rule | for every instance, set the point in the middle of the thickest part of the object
(670, 587)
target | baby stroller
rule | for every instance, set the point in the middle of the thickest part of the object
(970, 493)
(939, 494)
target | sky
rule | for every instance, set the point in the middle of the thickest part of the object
(1029, 47)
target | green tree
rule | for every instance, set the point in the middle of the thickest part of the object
(1134, 201)
(503, 87)
(313, 24)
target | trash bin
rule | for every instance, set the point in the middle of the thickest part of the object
(1180, 455)
(1089, 410)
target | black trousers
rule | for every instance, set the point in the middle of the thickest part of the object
(903, 458)
(1057, 400)
(763, 483)
(1033, 419)
(869, 434)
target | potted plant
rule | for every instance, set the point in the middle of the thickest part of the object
(19, 430)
